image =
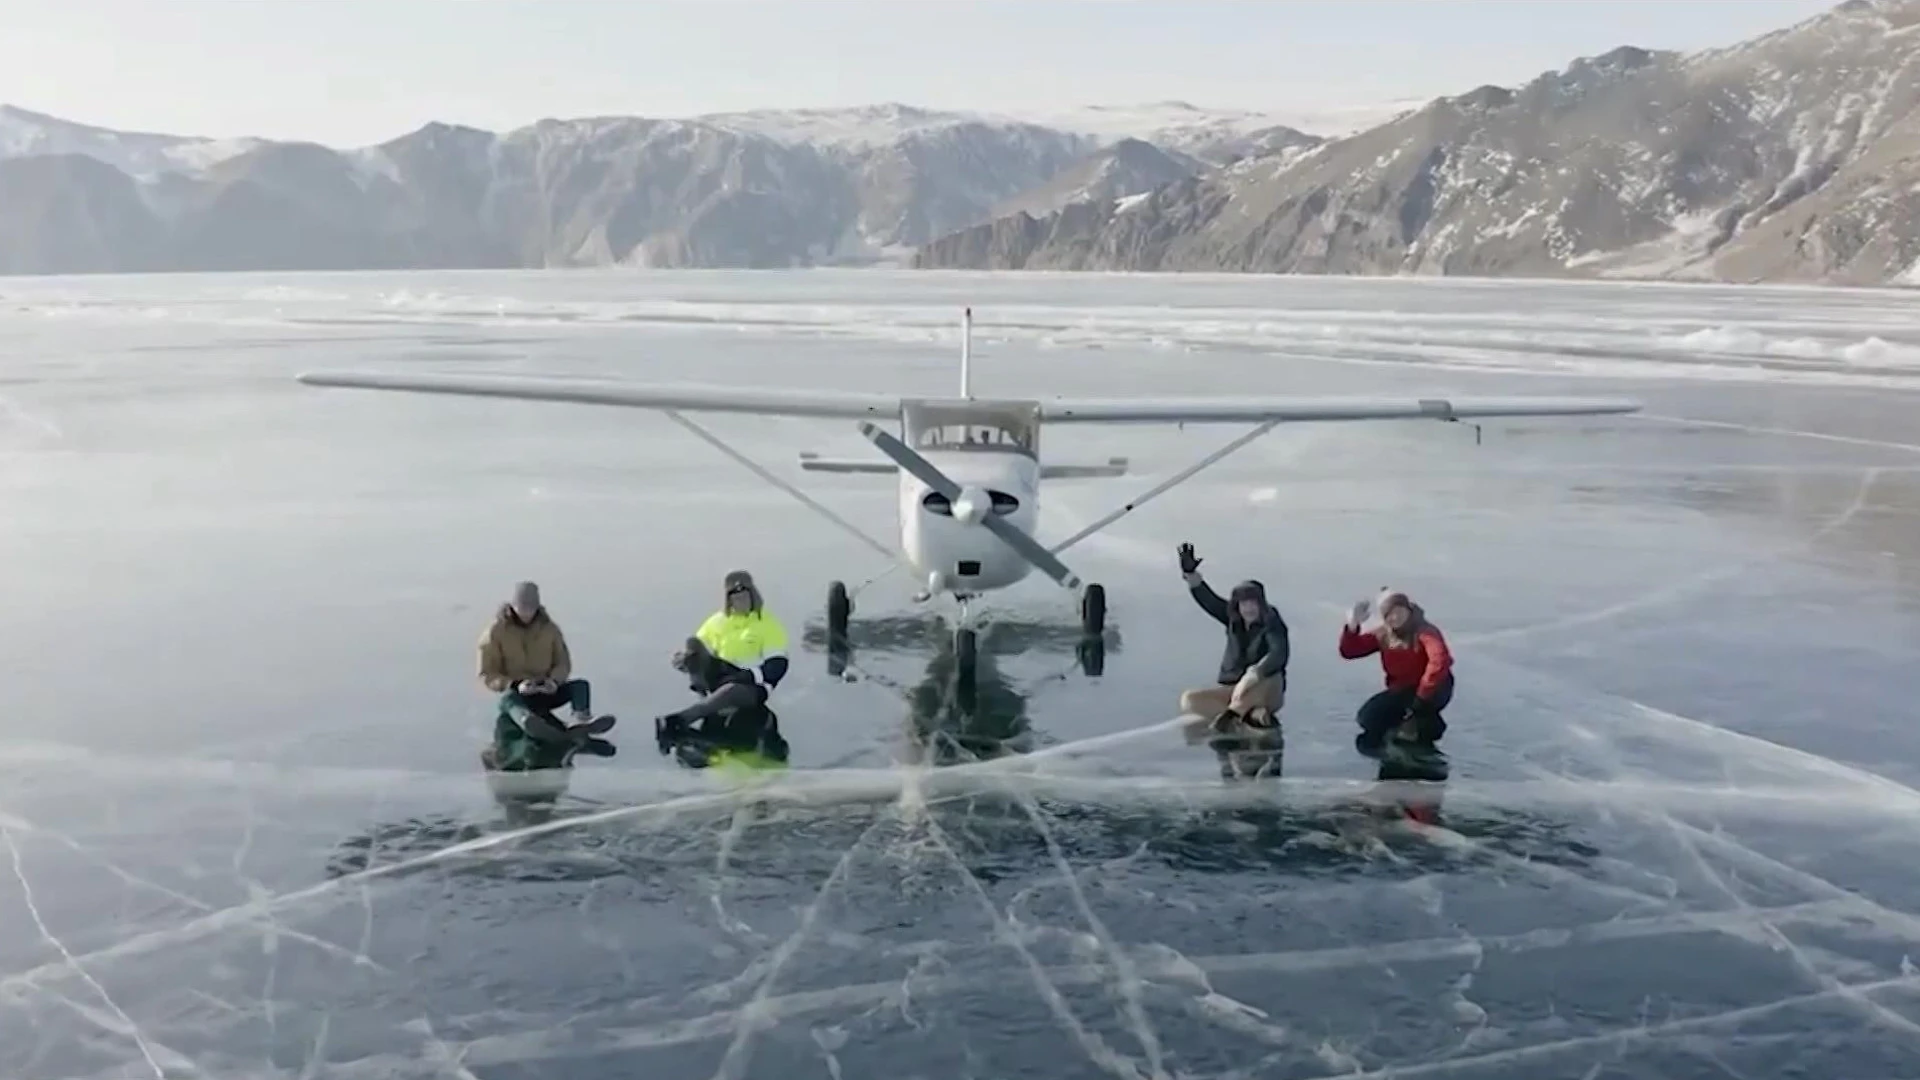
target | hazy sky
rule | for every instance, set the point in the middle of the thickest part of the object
(350, 72)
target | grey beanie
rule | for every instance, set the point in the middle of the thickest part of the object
(526, 596)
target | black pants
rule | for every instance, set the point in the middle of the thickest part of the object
(727, 698)
(742, 729)
(1387, 709)
(753, 730)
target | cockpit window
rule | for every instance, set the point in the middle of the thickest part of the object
(974, 426)
(948, 436)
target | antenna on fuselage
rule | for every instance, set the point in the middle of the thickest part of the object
(966, 353)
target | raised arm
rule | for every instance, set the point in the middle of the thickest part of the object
(1209, 601)
(1354, 644)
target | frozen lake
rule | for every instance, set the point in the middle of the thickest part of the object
(245, 835)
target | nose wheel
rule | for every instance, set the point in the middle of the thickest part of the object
(1090, 650)
(966, 667)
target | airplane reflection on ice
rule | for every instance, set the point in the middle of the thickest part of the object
(952, 720)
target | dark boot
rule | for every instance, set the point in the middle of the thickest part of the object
(544, 728)
(597, 747)
(774, 747)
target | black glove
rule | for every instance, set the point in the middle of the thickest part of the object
(667, 731)
(1189, 562)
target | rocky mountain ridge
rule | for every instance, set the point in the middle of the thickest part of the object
(1791, 157)
(772, 189)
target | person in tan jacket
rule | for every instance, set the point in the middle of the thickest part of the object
(523, 657)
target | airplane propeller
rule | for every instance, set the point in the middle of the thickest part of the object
(1012, 535)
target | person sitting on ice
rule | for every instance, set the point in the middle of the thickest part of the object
(1418, 668)
(1252, 681)
(744, 633)
(524, 658)
(732, 711)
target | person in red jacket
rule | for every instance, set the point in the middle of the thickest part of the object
(1418, 667)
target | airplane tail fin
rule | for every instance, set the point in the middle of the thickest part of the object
(966, 352)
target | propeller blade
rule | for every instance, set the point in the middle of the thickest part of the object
(905, 457)
(1010, 534)
(1029, 549)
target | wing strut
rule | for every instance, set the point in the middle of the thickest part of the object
(758, 470)
(1164, 486)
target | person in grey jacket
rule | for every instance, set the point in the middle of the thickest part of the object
(1251, 686)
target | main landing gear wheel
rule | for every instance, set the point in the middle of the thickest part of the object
(839, 614)
(1092, 649)
(966, 654)
(1093, 611)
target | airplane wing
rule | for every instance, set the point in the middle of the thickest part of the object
(1261, 410)
(687, 398)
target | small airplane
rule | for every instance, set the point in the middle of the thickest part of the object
(969, 468)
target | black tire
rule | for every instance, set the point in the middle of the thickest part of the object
(966, 655)
(839, 616)
(1093, 611)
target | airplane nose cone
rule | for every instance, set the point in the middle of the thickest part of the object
(972, 506)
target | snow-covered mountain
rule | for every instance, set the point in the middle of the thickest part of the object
(27, 134)
(1213, 134)
(760, 189)
(1793, 156)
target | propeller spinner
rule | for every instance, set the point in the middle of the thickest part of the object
(971, 506)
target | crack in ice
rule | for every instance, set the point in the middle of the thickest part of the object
(132, 1030)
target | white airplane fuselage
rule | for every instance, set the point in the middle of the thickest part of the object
(953, 553)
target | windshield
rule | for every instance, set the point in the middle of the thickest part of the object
(974, 426)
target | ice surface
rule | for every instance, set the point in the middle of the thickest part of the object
(242, 832)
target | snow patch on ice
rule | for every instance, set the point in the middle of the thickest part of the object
(1871, 352)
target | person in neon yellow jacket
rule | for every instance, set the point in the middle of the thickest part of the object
(751, 641)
